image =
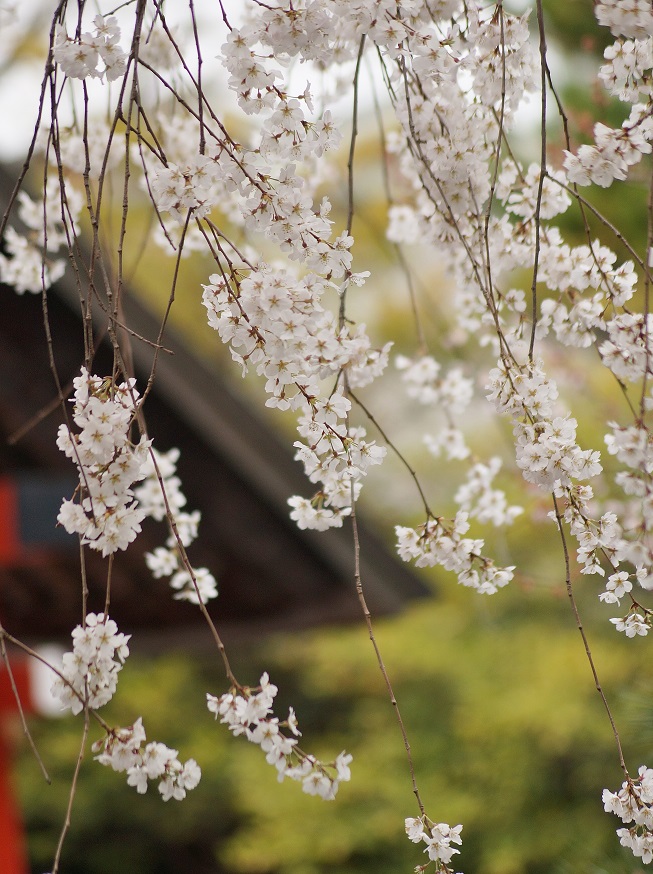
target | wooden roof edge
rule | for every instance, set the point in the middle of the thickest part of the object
(203, 399)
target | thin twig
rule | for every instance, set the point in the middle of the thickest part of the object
(540, 183)
(350, 166)
(386, 678)
(19, 706)
(579, 625)
(71, 795)
(402, 458)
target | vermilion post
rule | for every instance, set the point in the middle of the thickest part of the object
(13, 854)
(10, 527)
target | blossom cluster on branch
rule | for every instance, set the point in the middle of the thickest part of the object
(161, 497)
(89, 674)
(79, 57)
(438, 838)
(248, 712)
(87, 680)
(107, 515)
(125, 750)
(634, 803)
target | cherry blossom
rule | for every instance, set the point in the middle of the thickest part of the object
(161, 497)
(89, 674)
(248, 712)
(107, 515)
(125, 750)
(79, 57)
(438, 838)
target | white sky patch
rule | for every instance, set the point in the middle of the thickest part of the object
(20, 81)
(19, 92)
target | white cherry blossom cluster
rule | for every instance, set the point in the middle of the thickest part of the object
(619, 547)
(613, 152)
(627, 73)
(111, 507)
(601, 542)
(106, 513)
(79, 57)
(125, 750)
(449, 441)
(160, 496)
(439, 542)
(549, 456)
(256, 53)
(183, 182)
(438, 837)
(276, 199)
(545, 443)
(89, 674)
(519, 191)
(447, 102)
(90, 145)
(481, 501)
(597, 539)
(634, 623)
(279, 325)
(195, 186)
(634, 804)
(29, 264)
(626, 350)
(589, 282)
(500, 58)
(249, 712)
(88, 677)
(275, 320)
(335, 455)
(24, 266)
(451, 390)
(632, 446)
(632, 18)
(288, 133)
(574, 318)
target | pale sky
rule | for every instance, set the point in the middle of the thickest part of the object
(20, 81)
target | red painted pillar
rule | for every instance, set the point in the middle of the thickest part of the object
(13, 857)
(13, 854)
(9, 521)
(28, 512)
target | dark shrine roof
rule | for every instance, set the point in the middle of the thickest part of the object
(233, 468)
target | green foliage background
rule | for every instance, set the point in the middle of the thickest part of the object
(508, 734)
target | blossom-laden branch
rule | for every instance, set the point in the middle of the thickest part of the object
(125, 750)
(634, 803)
(110, 508)
(89, 674)
(107, 516)
(161, 497)
(438, 837)
(87, 681)
(248, 712)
